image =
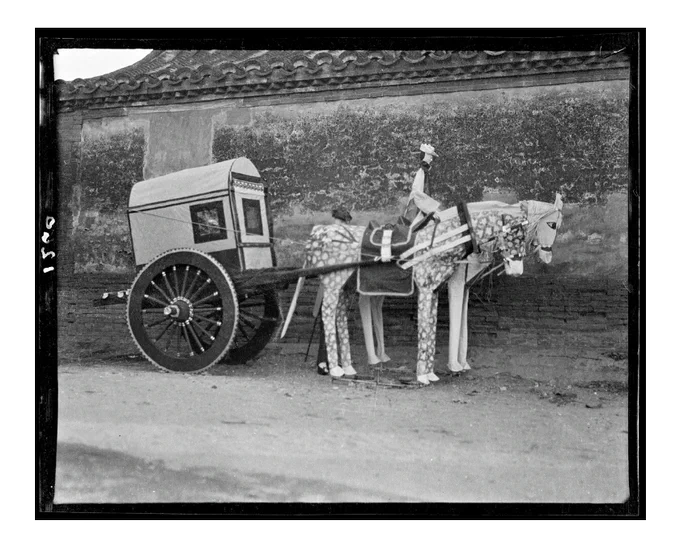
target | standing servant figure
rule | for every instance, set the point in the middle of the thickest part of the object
(340, 216)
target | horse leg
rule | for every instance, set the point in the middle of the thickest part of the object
(463, 343)
(427, 334)
(456, 312)
(472, 271)
(343, 335)
(365, 308)
(377, 309)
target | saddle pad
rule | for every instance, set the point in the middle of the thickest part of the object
(385, 278)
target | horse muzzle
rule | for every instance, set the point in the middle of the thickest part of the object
(545, 254)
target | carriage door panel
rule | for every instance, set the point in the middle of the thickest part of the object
(251, 213)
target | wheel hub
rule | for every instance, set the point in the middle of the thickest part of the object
(180, 310)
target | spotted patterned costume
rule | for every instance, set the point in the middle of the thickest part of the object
(334, 244)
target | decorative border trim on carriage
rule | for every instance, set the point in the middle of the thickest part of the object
(246, 178)
(251, 187)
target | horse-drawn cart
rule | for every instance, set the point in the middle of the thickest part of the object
(207, 282)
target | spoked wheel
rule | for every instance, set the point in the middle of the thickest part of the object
(183, 311)
(258, 319)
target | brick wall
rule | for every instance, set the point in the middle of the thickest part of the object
(531, 311)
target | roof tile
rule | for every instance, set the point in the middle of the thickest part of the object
(274, 71)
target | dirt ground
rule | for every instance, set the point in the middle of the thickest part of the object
(522, 426)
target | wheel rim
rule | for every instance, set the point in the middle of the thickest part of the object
(259, 316)
(182, 311)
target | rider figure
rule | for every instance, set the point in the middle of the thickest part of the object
(419, 203)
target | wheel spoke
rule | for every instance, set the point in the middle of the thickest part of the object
(188, 341)
(167, 298)
(163, 333)
(158, 322)
(170, 338)
(193, 282)
(212, 337)
(206, 298)
(248, 323)
(250, 304)
(167, 284)
(199, 316)
(184, 281)
(211, 309)
(250, 314)
(242, 330)
(176, 285)
(196, 338)
(149, 297)
(196, 293)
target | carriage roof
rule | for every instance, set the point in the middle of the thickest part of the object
(198, 181)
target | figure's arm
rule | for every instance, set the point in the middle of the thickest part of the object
(425, 203)
(418, 182)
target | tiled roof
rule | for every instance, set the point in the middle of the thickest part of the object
(172, 75)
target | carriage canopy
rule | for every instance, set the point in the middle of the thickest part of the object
(219, 208)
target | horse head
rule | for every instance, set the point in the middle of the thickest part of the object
(544, 221)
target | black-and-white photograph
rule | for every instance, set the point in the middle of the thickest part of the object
(341, 278)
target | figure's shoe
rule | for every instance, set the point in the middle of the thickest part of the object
(423, 379)
(349, 370)
(322, 368)
(432, 377)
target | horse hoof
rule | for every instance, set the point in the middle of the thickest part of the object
(456, 367)
(385, 358)
(466, 366)
(423, 379)
(337, 372)
(349, 370)
(432, 377)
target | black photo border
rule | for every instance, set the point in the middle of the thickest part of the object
(47, 186)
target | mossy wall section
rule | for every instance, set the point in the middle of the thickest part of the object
(571, 139)
(112, 160)
(362, 153)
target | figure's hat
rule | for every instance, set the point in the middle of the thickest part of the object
(428, 149)
(342, 214)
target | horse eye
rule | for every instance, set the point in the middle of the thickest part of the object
(552, 225)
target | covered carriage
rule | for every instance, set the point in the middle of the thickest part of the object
(198, 236)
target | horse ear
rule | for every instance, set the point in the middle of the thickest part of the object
(558, 201)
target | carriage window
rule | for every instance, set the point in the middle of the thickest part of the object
(252, 215)
(207, 220)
